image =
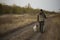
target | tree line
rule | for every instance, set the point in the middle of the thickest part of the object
(6, 9)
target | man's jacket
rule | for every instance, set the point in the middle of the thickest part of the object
(41, 17)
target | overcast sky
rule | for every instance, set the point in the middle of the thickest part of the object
(44, 4)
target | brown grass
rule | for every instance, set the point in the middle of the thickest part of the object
(9, 22)
(12, 21)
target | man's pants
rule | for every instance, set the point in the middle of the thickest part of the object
(41, 24)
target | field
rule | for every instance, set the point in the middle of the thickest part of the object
(52, 30)
(10, 22)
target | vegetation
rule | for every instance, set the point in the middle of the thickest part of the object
(11, 22)
(5, 9)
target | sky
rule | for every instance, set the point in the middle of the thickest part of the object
(50, 5)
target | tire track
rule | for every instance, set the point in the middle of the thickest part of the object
(19, 32)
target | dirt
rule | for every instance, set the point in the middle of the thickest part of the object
(52, 31)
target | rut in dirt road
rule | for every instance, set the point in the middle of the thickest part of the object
(18, 34)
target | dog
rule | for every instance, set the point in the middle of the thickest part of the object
(35, 28)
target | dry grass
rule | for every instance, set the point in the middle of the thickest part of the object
(9, 22)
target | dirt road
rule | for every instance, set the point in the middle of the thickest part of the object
(52, 31)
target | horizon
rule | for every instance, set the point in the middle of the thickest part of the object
(50, 5)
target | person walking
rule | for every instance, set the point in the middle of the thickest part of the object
(41, 19)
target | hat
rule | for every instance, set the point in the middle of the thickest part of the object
(41, 10)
